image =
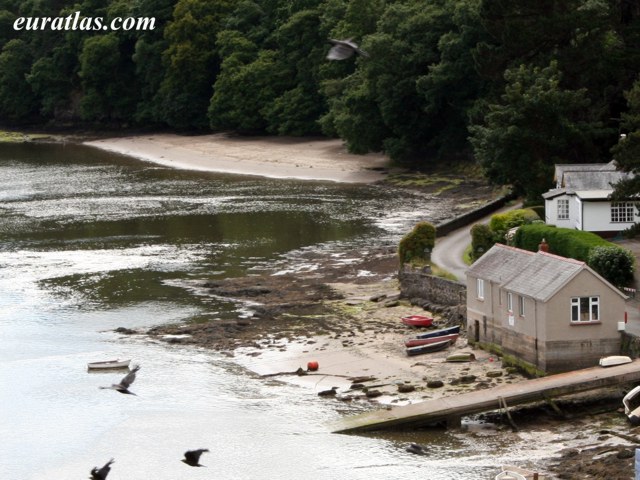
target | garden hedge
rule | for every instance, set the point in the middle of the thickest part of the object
(565, 242)
(417, 244)
(614, 263)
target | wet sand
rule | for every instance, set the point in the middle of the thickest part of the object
(276, 157)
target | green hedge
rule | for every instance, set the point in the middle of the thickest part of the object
(417, 244)
(482, 239)
(565, 242)
(501, 222)
(614, 263)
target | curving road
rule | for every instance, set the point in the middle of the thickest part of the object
(449, 250)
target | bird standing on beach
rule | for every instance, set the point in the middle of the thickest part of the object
(416, 449)
(328, 393)
(125, 383)
(192, 457)
(343, 49)
(101, 474)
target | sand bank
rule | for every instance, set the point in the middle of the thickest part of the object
(276, 157)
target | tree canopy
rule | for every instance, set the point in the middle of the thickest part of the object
(513, 84)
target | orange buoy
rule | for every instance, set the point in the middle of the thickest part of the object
(312, 366)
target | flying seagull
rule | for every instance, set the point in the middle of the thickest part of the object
(192, 457)
(343, 49)
(123, 386)
(101, 474)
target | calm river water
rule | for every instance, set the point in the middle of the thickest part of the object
(92, 241)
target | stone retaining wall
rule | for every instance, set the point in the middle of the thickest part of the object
(420, 284)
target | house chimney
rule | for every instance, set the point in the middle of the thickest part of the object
(543, 246)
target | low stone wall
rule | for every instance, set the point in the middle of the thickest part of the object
(449, 226)
(630, 345)
(421, 285)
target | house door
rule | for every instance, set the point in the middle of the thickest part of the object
(476, 334)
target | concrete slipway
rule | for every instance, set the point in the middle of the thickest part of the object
(451, 409)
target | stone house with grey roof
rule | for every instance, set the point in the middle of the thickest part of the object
(580, 199)
(548, 312)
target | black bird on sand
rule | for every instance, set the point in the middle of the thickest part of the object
(328, 393)
(125, 383)
(343, 49)
(192, 457)
(416, 449)
(101, 474)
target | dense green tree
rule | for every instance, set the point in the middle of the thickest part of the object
(301, 45)
(627, 151)
(242, 88)
(192, 61)
(384, 94)
(536, 124)
(147, 57)
(17, 101)
(47, 80)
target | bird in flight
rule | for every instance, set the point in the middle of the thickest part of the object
(343, 49)
(101, 474)
(125, 383)
(192, 457)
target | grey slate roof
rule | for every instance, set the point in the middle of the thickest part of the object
(500, 263)
(562, 168)
(588, 180)
(544, 275)
(538, 275)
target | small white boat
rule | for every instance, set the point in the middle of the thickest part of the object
(614, 360)
(509, 475)
(108, 364)
(511, 472)
(631, 405)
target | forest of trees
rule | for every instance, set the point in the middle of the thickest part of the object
(517, 85)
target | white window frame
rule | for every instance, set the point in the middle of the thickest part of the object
(578, 313)
(510, 302)
(521, 305)
(480, 288)
(622, 212)
(563, 209)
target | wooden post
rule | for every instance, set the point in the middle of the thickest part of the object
(503, 404)
(454, 421)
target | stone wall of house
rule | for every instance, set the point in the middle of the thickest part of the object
(420, 287)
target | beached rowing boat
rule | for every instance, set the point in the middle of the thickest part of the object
(429, 348)
(440, 332)
(614, 360)
(108, 364)
(417, 321)
(416, 342)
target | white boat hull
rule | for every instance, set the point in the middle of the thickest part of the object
(614, 360)
(108, 364)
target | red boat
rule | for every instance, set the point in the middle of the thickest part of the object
(417, 321)
(416, 342)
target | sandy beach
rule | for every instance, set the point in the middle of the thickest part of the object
(275, 157)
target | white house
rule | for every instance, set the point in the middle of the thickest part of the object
(581, 199)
